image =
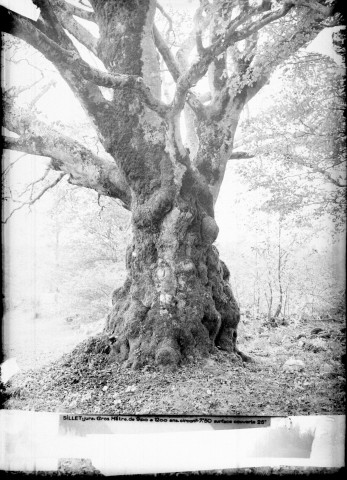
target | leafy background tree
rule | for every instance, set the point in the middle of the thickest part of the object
(299, 141)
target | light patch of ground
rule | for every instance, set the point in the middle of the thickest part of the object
(34, 342)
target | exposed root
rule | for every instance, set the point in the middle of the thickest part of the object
(173, 309)
(244, 357)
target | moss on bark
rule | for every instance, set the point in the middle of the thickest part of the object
(177, 301)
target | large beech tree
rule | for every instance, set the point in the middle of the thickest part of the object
(176, 301)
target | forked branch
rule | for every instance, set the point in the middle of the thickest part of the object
(78, 12)
(76, 29)
(232, 36)
(175, 70)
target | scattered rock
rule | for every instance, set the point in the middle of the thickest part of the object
(293, 365)
(315, 345)
(316, 330)
(77, 466)
(130, 388)
(211, 367)
(327, 369)
(324, 334)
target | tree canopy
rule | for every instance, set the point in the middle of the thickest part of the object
(237, 43)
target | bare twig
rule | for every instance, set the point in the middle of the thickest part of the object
(16, 91)
(240, 155)
(32, 184)
(42, 92)
(80, 12)
(168, 18)
(7, 169)
(35, 199)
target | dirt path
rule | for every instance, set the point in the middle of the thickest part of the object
(36, 342)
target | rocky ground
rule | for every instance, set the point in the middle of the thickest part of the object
(298, 370)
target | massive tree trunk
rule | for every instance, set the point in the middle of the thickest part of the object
(177, 301)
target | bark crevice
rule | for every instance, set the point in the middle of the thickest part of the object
(176, 302)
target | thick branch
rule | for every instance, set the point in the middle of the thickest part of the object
(66, 59)
(199, 68)
(51, 25)
(68, 155)
(79, 12)
(166, 15)
(76, 29)
(165, 52)
(87, 93)
(174, 69)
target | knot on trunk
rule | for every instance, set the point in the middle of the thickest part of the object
(209, 229)
(167, 353)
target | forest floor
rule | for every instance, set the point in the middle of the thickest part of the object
(221, 385)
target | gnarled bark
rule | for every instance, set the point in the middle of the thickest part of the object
(176, 301)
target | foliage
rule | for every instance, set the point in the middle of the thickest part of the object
(299, 142)
(267, 253)
(89, 236)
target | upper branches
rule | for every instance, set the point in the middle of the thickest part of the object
(65, 16)
(70, 62)
(34, 199)
(246, 25)
(239, 29)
